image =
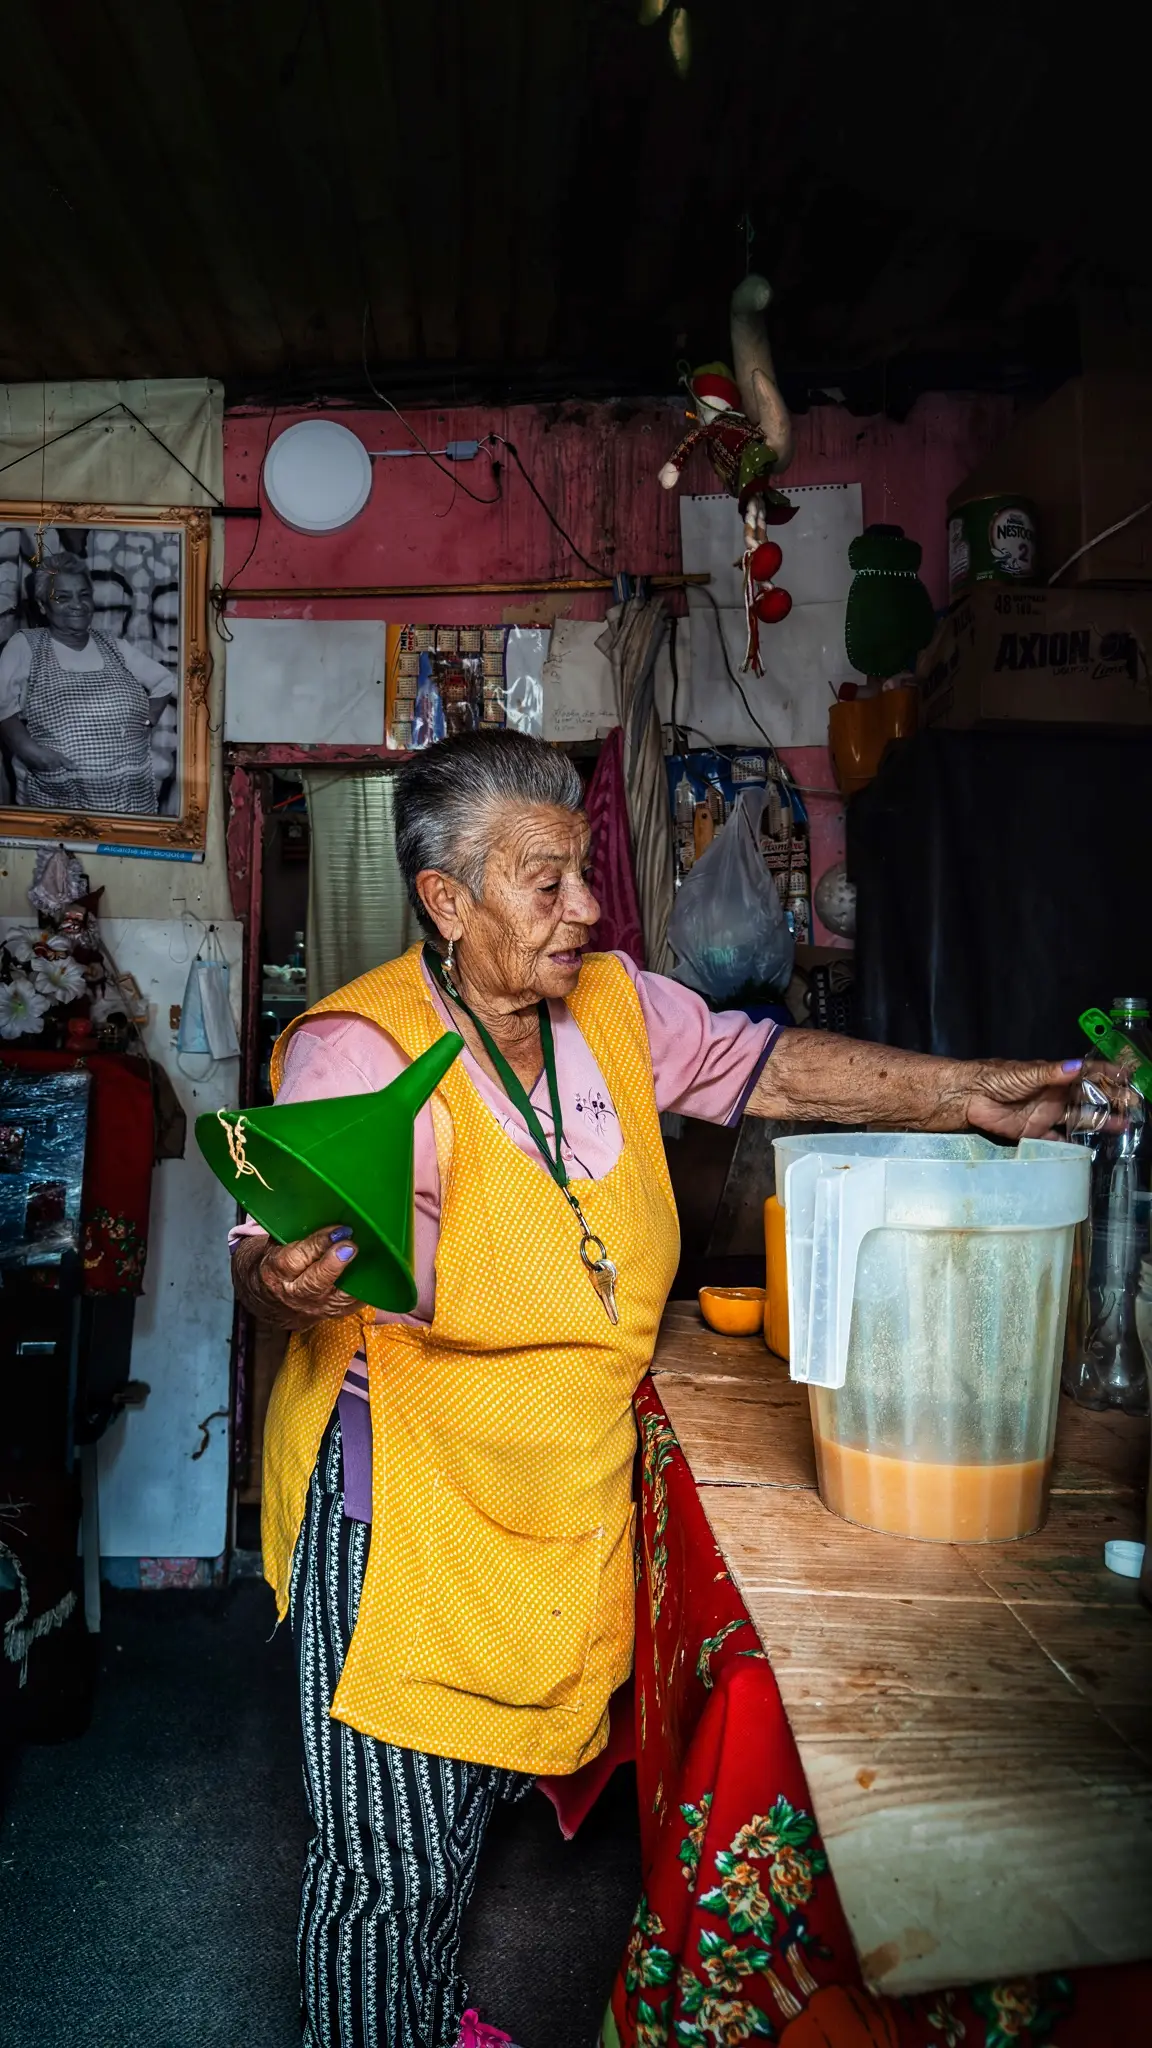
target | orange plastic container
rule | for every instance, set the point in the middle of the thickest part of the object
(733, 1311)
(858, 733)
(776, 1292)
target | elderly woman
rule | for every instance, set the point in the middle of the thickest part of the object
(448, 1495)
(77, 710)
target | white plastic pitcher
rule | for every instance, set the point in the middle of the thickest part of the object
(927, 1293)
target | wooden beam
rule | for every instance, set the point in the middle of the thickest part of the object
(298, 593)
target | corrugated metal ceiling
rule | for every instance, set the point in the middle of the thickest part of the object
(520, 197)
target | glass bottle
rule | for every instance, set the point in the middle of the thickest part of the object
(1103, 1362)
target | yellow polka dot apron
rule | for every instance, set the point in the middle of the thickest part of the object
(497, 1613)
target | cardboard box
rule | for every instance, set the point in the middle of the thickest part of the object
(1033, 656)
(1084, 458)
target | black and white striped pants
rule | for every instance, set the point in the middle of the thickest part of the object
(396, 1834)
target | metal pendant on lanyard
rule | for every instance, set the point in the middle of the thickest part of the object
(593, 1250)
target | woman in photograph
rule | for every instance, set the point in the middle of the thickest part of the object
(77, 709)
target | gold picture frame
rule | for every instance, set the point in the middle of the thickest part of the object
(148, 575)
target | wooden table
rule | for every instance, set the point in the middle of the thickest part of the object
(975, 1722)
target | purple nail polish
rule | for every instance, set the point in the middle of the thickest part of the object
(346, 1251)
(1073, 1066)
(345, 1230)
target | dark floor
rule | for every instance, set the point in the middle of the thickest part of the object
(148, 1871)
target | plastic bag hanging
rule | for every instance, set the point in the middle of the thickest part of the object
(728, 927)
(206, 1024)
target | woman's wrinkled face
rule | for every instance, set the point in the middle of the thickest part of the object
(523, 938)
(69, 602)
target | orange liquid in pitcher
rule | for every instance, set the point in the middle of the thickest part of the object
(937, 1503)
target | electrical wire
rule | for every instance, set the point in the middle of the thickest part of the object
(596, 567)
(738, 686)
(219, 595)
(455, 480)
(1098, 537)
(674, 666)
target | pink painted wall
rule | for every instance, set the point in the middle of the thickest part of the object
(596, 467)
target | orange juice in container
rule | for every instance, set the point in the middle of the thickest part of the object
(927, 1292)
(776, 1282)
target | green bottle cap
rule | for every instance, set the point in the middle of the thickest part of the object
(1113, 1045)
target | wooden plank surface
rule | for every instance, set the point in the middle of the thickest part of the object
(742, 1432)
(975, 1721)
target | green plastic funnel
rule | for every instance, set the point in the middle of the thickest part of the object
(300, 1166)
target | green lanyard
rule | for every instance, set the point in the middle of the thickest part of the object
(593, 1251)
(511, 1083)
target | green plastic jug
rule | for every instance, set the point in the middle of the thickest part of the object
(300, 1166)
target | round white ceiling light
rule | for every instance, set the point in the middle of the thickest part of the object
(318, 476)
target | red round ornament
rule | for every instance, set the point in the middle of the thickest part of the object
(772, 605)
(766, 559)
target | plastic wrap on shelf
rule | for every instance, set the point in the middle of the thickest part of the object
(444, 680)
(43, 1126)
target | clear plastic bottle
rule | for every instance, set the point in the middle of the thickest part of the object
(1144, 1331)
(1130, 1015)
(1103, 1361)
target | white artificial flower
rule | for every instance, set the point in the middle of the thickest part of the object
(21, 1009)
(18, 943)
(59, 942)
(60, 980)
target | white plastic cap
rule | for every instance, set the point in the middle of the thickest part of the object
(1124, 1558)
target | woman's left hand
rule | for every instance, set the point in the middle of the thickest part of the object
(1020, 1098)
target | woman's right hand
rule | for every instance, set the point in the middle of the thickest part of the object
(297, 1285)
(45, 760)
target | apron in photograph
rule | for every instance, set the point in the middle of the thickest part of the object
(96, 717)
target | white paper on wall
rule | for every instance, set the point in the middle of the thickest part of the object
(805, 652)
(579, 690)
(306, 682)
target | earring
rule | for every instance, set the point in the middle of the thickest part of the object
(450, 957)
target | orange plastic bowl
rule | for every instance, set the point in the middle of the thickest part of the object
(734, 1311)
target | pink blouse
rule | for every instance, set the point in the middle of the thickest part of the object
(705, 1064)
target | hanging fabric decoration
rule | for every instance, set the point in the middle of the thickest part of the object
(633, 635)
(766, 604)
(890, 616)
(742, 422)
(613, 877)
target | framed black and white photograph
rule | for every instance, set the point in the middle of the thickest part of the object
(104, 673)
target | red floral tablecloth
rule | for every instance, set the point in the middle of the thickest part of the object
(740, 1935)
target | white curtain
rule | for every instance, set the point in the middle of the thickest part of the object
(358, 910)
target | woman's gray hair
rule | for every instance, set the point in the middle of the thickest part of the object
(45, 573)
(445, 793)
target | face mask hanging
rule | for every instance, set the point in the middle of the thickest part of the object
(206, 1025)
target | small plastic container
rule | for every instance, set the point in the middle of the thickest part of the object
(1125, 1559)
(928, 1287)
